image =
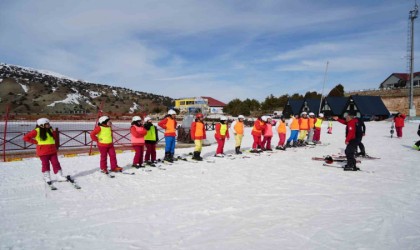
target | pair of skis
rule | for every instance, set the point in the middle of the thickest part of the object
(69, 180)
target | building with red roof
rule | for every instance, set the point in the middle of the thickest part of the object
(400, 80)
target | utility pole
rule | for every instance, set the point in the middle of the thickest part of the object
(412, 15)
(323, 86)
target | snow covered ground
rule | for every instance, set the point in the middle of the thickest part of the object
(281, 201)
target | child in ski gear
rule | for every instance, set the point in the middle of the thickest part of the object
(44, 137)
(137, 132)
(238, 131)
(303, 128)
(198, 134)
(151, 139)
(317, 129)
(267, 133)
(102, 135)
(330, 126)
(281, 130)
(294, 131)
(312, 120)
(399, 124)
(353, 136)
(169, 124)
(257, 131)
(221, 134)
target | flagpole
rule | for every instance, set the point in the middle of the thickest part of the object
(323, 86)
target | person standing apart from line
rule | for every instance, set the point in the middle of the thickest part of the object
(257, 131)
(281, 130)
(44, 137)
(238, 131)
(353, 135)
(102, 135)
(330, 126)
(399, 124)
(150, 139)
(198, 134)
(169, 124)
(267, 134)
(137, 132)
(222, 133)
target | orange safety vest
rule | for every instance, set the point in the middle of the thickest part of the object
(281, 129)
(312, 122)
(303, 123)
(170, 126)
(199, 128)
(239, 128)
(294, 124)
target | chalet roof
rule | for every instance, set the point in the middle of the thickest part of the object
(336, 103)
(370, 105)
(213, 102)
(313, 104)
(295, 105)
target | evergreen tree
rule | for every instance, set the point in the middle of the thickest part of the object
(337, 91)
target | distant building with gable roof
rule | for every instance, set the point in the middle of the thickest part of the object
(204, 104)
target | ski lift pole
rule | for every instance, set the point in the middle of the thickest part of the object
(323, 86)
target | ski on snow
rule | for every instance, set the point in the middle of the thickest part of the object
(69, 180)
(342, 167)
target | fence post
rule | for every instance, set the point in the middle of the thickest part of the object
(57, 139)
(6, 118)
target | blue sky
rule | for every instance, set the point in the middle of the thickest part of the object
(224, 49)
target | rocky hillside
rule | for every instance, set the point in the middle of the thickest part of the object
(30, 91)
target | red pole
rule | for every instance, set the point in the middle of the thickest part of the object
(96, 122)
(6, 118)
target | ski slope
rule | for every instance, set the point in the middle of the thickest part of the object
(280, 201)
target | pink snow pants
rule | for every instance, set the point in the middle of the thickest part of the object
(138, 156)
(105, 151)
(45, 161)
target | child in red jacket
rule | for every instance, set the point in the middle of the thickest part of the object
(399, 123)
(44, 138)
(222, 132)
(137, 140)
(102, 134)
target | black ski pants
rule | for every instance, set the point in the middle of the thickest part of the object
(350, 152)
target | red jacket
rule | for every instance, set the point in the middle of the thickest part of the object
(399, 120)
(259, 127)
(350, 128)
(41, 149)
(218, 135)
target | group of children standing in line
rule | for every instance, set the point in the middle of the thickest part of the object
(145, 135)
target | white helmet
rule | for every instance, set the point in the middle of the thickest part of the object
(304, 113)
(102, 119)
(223, 118)
(264, 118)
(241, 117)
(311, 114)
(147, 118)
(171, 112)
(136, 118)
(41, 121)
(321, 115)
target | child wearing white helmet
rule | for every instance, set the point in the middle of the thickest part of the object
(102, 135)
(169, 124)
(222, 133)
(46, 149)
(312, 120)
(137, 132)
(198, 134)
(267, 133)
(317, 131)
(238, 130)
(151, 139)
(303, 128)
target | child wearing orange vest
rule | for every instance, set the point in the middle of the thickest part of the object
(294, 131)
(267, 133)
(137, 132)
(257, 130)
(44, 138)
(222, 133)
(281, 130)
(169, 124)
(102, 135)
(198, 134)
(238, 131)
(303, 128)
(312, 120)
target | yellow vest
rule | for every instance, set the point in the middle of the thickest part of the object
(49, 141)
(318, 122)
(105, 135)
(223, 129)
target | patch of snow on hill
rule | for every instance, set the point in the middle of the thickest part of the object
(94, 94)
(134, 108)
(114, 92)
(71, 99)
(24, 87)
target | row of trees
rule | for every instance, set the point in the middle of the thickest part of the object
(272, 103)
